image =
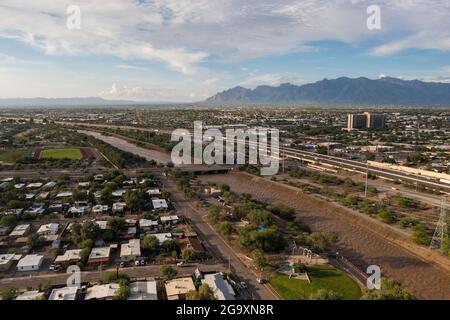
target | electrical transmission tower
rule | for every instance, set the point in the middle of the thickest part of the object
(440, 236)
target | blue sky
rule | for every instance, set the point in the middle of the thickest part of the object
(187, 50)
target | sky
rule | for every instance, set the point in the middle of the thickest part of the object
(188, 50)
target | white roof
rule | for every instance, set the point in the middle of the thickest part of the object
(19, 185)
(7, 179)
(159, 204)
(30, 260)
(119, 205)
(100, 207)
(99, 253)
(179, 286)
(69, 255)
(162, 236)
(102, 224)
(147, 223)
(35, 185)
(168, 218)
(64, 194)
(30, 295)
(50, 184)
(221, 288)
(102, 291)
(152, 192)
(118, 193)
(6, 258)
(84, 184)
(132, 248)
(51, 228)
(143, 290)
(20, 230)
(66, 293)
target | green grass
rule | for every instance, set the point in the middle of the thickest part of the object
(12, 155)
(73, 154)
(322, 277)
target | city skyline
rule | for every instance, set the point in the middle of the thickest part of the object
(183, 52)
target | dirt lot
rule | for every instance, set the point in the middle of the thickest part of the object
(360, 244)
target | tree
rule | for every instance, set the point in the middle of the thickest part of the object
(420, 235)
(35, 241)
(170, 245)
(259, 260)
(8, 221)
(168, 272)
(260, 217)
(150, 243)
(325, 294)
(390, 290)
(188, 255)
(123, 292)
(7, 293)
(284, 212)
(136, 201)
(386, 215)
(226, 228)
(117, 226)
(204, 293)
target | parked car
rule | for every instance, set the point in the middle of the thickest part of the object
(261, 280)
(243, 285)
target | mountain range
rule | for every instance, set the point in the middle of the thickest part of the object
(383, 91)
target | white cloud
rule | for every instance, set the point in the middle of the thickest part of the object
(131, 67)
(184, 33)
(272, 79)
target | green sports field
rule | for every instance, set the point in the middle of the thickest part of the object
(73, 154)
(322, 277)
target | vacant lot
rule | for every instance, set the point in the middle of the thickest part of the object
(322, 277)
(74, 154)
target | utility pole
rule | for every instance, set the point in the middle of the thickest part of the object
(440, 236)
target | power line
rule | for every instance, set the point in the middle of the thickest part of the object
(440, 236)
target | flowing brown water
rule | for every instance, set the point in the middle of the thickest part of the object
(359, 244)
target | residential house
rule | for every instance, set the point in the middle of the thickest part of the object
(221, 288)
(6, 260)
(100, 209)
(69, 257)
(99, 255)
(147, 225)
(143, 290)
(102, 292)
(49, 229)
(160, 204)
(169, 220)
(65, 293)
(31, 295)
(176, 289)
(131, 250)
(31, 262)
(20, 230)
(119, 207)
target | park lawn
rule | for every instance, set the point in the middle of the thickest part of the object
(73, 154)
(12, 155)
(322, 277)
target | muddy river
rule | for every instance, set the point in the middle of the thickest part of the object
(158, 156)
(357, 243)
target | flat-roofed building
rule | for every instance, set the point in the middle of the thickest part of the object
(176, 289)
(143, 290)
(65, 293)
(99, 255)
(131, 250)
(102, 292)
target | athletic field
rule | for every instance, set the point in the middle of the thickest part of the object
(73, 154)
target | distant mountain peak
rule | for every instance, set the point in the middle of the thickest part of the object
(343, 90)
